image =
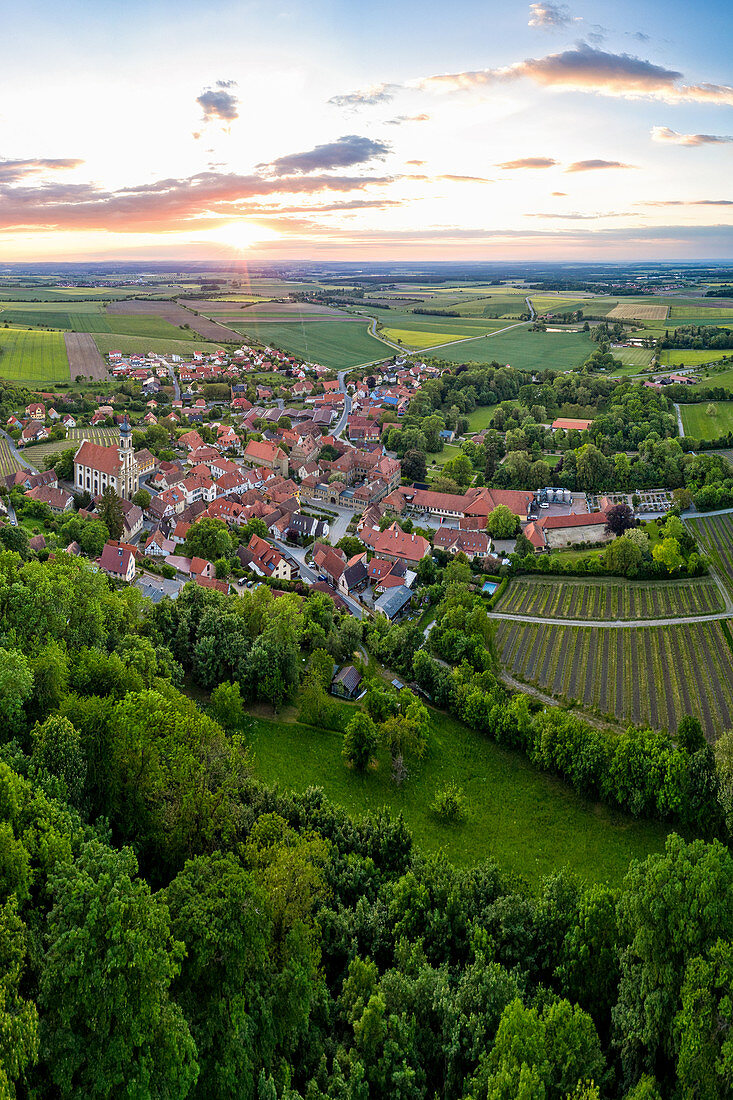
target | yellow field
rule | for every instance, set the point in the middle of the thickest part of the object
(416, 338)
(638, 311)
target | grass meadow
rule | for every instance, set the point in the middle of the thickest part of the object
(334, 344)
(525, 350)
(530, 822)
(699, 424)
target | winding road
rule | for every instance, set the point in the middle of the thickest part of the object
(16, 453)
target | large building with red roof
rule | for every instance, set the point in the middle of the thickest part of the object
(97, 468)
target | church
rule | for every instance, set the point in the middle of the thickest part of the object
(97, 467)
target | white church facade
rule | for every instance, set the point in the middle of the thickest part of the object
(97, 468)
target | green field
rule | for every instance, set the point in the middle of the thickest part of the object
(334, 344)
(32, 357)
(524, 350)
(633, 357)
(548, 303)
(647, 675)
(141, 344)
(715, 535)
(699, 424)
(418, 338)
(693, 311)
(674, 357)
(89, 294)
(531, 823)
(610, 600)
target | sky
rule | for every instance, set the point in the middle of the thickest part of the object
(276, 130)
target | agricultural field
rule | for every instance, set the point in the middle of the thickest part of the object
(530, 822)
(87, 294)
(700, 424)
(524, 350)
(8, 462)
(709, 378)
(638, 311)
(548, 303)
(107, 342)
(171, 312)
(31, 357)
(683, 357)
(589, 599)
(644, 675)
(711, 313)
(715, 535)
(419, 338)
(84, 358)
(334, 344)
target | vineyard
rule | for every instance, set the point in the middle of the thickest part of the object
(609, 600)
(644, 675)
(38, 453)
(8, 463)
(715, 535)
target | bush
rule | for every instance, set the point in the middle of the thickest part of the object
(449, 804)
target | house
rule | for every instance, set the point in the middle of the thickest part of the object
(145, 461)
(354, 576)
(158, 546)
(557, 532)
(398, 545)
(68, 421)
(200, 567)
(264, 559)
(346, 683)
(474, 544)
(97, 468)
(36, 410)
(117, 562)
(34, 432)
(263, 453)
(58, 500)
(393, 602)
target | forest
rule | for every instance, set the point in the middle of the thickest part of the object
(170, 927)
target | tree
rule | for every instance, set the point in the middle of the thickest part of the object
(682, 499)
(449, 803)
(623, 557)
(669, 554)
(360, 742)
(57, 750)
(63, 464)
(18, 1017)
(142, 499)
(459, 469)
(704, 1026)
(209, 539)
(672, 907)
(502, 522)
(522, 545)
(712, 409)
(689, 734)
(110, 513)
(619, 519)
(226, 707)
(16, 684)
(321, 665)
(108, 1023)
(723, 750)
(414, 465)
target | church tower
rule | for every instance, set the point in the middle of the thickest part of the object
(129, 479)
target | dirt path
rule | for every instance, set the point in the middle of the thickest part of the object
(529, 689)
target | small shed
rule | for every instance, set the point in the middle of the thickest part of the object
(346, 682)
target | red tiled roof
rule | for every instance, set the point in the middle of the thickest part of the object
(104, 459)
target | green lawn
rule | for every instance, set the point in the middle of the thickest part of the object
(32, 357)
(439, 458)
(334, 344)
(633, 357)
(524, 350)
(710, 379)
(699, 424)
(529, 822)
(674, 357)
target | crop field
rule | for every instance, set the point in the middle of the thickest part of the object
(419, 338)
(36, 294)
(334, 344)
(84, 357)
(638, 311)
(645, 675)
(39, 452)
(683, 357)
(456, 327)
(711, 312)
(547, 303)
(715, 535)
(33, 357)
(8, 463)
(174, 314)
(524, 350)
(611, 600)
(497, 304)
(107, 342)
(698, 423)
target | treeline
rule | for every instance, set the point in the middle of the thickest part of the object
(438, 312)
(697, 337)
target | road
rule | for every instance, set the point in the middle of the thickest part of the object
(172, 373)
(679, 419)
(347, 403)
(19, 458)
(617, 624)
(530, 307)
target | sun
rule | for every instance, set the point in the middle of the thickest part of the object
(240, 235)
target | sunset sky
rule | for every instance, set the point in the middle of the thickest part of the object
(413, 130)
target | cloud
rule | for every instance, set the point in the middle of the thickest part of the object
(594, 165)
(398, 121)
(687, 202)
(528, 162)
(13, 170)
(576, 217)
(160, 206)
(417, 163)
(549, 16)
(465, 179)
(559, 194)
(587, 69)
(367, 97)
(664, 135)
(221, 104)
(343, 153)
